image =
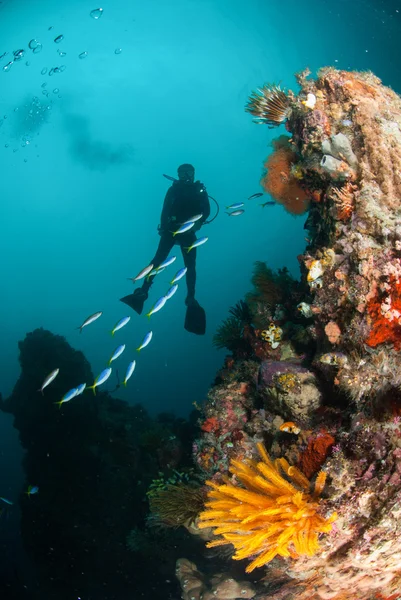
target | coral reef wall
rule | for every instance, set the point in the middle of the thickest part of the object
(313, 379)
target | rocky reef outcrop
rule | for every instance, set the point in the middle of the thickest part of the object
(93, 459)
(313, 378)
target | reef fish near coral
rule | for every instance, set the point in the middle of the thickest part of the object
(130, 370)
(179, 275)
(80, 389)
(51, 377)
(166, 263)
(67, 397)
(117, 352)
(196, 244)
(171, 292)
(6, 501)
(146, 341)
(90, 320)
(104, 375)
(184, 228)
(236, 213)
(32, 489)
(120, 324)
(193, 219)
(145, 271)
(235, 206)
(158, 306)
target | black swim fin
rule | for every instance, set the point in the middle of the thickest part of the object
(195, 319)
(136, 300)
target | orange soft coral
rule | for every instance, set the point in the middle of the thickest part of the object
(385, 320)
(280, 182)
(272, 513)
(211, 425)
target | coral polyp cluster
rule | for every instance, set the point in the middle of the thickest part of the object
(269, 104)
(385, 317)
(271, 513)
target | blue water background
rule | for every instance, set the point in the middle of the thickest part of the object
(79, 204)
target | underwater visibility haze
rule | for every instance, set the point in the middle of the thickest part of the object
(201, 301)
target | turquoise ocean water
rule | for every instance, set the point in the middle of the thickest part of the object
(146, 87)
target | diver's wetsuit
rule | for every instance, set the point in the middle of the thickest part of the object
(183, 201)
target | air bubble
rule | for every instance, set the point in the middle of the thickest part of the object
(8, 66)
(61, 53)
(44, 71)
(58, 39)
(117, 51)
(34, 44)
(18, 54)
(62, 68)
(96, 13)
(56, 91)
(83, 55)
(38, 49)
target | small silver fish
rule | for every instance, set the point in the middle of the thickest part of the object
(121, 323)
(199, 242)
(80, 389)
(171, 292)
(193, 219)
(179, 275)
(183, 228)
(258, 195)
(269, 203)
(158, 306)
(7, 501)
(117, 352)
(130, 370)
(104, 375)
(51, 377)
(146, 341)
(235, 206)
(67, 397)
(90, 320)
(155, 272)
(236, 213)
(32, 489)
(142, 273)
(166, 263)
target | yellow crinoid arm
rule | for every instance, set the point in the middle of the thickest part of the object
(267, 510)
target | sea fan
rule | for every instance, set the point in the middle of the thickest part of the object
(279, 181)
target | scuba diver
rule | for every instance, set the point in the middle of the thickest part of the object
(184, 199)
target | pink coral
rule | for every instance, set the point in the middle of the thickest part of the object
(333, 332)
